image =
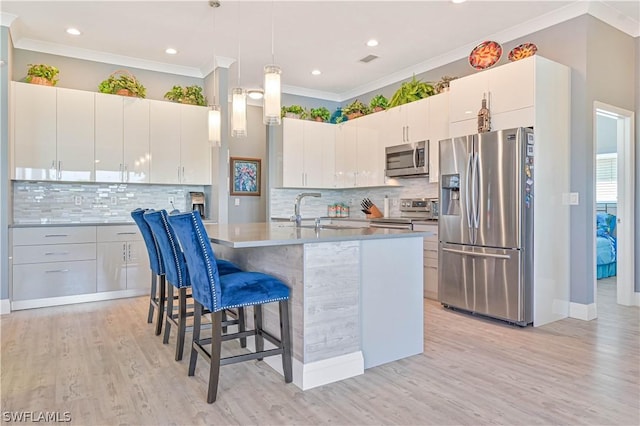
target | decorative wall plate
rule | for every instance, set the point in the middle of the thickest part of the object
(522, 51)
(485, 55)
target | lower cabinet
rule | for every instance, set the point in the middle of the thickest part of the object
(123, 262)
(430, 260)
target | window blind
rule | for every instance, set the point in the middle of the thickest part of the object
(607, 178)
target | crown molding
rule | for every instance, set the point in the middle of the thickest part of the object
(312, 93)
(611, 16)
(6, 19)
(216, 62)
(93, 55)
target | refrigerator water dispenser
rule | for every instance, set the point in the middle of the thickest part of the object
(450, 197)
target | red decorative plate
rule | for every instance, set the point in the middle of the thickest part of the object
(523, 51)
(485, 55)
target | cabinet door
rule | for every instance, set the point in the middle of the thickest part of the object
(395, 132)
(109, 138)
(53, 279)
(315, 135)
(292, 152)
(329, 156)
(75, 134)
(465, 96)
(346, 155)
(136, 140)
(512, 86)
(164, 137)
(138, 269)
(438, 130)
(370, 153)
(195, 150)
(417, 120)
(34, 147)
(112, 266)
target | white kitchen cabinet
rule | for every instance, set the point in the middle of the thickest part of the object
(346, 154)
(508, 88)
(370, 155)
(308, 154)
(164, 137)
(61, 145)
(122, 259)
(53, 262)
(430, 259)
(407, 123)
(122, 139)
(195, 150)
(438, 122)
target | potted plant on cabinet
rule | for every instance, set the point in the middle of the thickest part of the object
(293, 111)
(443, 84)
(191, 95)
(355, 109)
(42, 74)
(378, 103)
(122, 83)
(321, 114)
(410, 91)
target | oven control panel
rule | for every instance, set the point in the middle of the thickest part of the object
(423, 205)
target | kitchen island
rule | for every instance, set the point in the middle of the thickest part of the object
(356, 293)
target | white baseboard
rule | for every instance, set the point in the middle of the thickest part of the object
(80, 298)
(583, 312)
(314, 374)
(5, 306)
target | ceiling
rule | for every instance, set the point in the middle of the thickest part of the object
(331, 36)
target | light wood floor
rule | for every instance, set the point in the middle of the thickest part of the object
(102, 363)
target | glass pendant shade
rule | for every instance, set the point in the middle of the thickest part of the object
(214, 125)
(239, 112)
(271, 104)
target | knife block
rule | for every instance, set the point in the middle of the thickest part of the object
(375, 212)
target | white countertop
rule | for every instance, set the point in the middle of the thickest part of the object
(278, 233)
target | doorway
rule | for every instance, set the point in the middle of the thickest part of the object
(614, 154)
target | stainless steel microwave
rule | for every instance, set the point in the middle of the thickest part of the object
(407, 160)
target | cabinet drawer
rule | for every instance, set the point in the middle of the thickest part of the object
(53, 279)
(54, 253)
(119, 233)
(54, 235)
(430, 245)
(431, 254)
(431, 263)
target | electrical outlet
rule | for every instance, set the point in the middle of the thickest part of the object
(114, 201)
(172, 200)
(236, 201)
(77, 200)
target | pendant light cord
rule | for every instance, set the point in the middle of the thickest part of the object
(273, 61)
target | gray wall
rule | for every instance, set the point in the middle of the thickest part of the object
(607, 131)
(5, 78)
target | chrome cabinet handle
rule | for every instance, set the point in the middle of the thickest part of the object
(126, 233)
(183, 178)
(55, 271)
(57, 253)
(59, 170)
(124, 252)
(56, 235)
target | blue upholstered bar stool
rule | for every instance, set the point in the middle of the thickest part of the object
(219, 292)
(176, 275)
(156, 301)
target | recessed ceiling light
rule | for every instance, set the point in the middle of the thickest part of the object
(316, 72)
(73, 31)
(171, 51)
(458, 1)
(255, 93)
(372, 43)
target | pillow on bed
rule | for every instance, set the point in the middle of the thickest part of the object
(605, 224)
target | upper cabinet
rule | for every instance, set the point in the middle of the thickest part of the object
(308, 154)
(509, 90)
(61, 145)
(438, 122)
(86, 136)
(122, 139)
(406, 123)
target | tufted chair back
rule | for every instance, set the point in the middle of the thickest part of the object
(200, 259)
(170, 252)
(155, 261)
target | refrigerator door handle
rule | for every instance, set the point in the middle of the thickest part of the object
(470, 253)
(476, 191)
(466, 198)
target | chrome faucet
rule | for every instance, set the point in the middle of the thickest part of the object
(296, 209)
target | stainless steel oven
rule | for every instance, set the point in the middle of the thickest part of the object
(411, 210)
(407, 160)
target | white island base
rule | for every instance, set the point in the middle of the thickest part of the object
(355, 303)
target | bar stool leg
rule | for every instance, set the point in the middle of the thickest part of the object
(242, 327)
(285, 341)
(168, 314)
(257, 320)
(214, 365)
(161, 302)
(182, 321)
(152, 297)
(197, 316)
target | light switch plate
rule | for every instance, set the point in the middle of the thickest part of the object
(236, 201)
(574, 199)
(77, 200)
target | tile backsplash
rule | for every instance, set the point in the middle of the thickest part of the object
(282, 199)
(54, 202)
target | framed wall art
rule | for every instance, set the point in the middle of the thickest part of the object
(245, 176)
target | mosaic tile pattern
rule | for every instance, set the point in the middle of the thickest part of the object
(282, 199)
(54, 202)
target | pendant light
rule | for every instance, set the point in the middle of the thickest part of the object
(238, 101)
(272, 97)
(215, 118)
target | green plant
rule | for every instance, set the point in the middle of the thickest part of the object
(378, 102)
(293, 109)
(48, 72)
(119, 81)
(410, 91)
(355, 109)
(321, 112)
(443, 84)
(187, 95)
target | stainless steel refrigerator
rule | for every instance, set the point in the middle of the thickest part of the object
(485, 228)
